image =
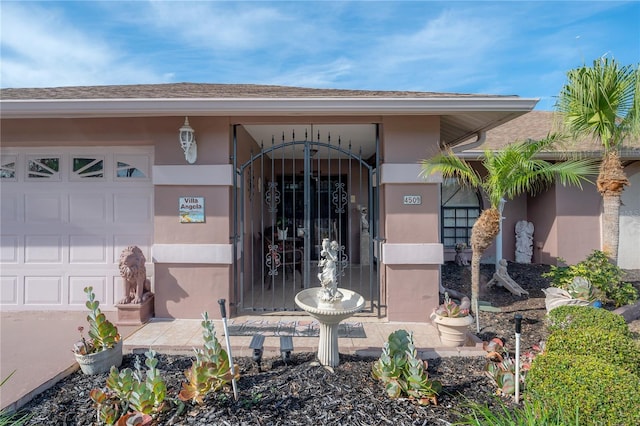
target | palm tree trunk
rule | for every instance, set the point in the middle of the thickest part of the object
(475, 281)
(611, 182)
(611, 226)
(482, 235)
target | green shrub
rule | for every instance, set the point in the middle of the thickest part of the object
(606, 345)
(602, 274)
(572, 316)
(604, 393)
(533, 412)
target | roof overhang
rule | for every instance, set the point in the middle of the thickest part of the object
(461, 117)
(74, 108)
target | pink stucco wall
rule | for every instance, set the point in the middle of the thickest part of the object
(411, 291)
(566, 222)
(578, 218)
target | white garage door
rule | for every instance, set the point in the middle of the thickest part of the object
(67, 213)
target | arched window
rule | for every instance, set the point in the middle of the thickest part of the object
(460, 210)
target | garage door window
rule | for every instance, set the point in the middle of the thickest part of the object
(43, 168)
(132, 167)
(88, 168)
(8, 168)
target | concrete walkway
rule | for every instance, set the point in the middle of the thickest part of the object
(37, 345)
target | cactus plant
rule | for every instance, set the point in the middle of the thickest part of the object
(451, 309)
(581, 288)
(403, 373)
(210, 371)
(131, 392)
(103, 334)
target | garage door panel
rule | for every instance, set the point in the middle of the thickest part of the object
(133, 208)
(121, 242)
(9, 290)
(42, 290)
(88, 208)
(43, 208)
(65, 231)
(78, 297)
(9, 248)
(9, 207)
(87, 249)
(43, 249)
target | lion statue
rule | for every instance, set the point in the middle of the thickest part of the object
(136, 286)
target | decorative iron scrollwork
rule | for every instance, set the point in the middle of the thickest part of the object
(339, 197)
(272, 197)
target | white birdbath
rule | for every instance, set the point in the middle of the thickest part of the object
(329, 315)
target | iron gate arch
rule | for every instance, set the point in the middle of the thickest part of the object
(287, 198)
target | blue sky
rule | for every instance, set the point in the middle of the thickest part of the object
(505, 47)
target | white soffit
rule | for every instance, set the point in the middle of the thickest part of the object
(69, 108)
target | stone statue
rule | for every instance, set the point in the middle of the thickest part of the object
(328, 276)
(502, 279)
(524, 241)
(364, 223)
(135, 285)
(461, 258)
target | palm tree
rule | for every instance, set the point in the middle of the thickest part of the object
(513, 171)
(602, 102)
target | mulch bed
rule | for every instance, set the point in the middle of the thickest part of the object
(304, 393)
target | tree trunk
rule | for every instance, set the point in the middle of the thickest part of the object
(611, 226)
(475, 280)
(482, 235)
(611, 182)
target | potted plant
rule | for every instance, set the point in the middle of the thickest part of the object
(103, 349)
(283, 227)
(452, 321)
(580, 292)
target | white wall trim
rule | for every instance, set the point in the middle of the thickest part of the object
(413, 254)
(160, 107)
(192, 253)
(217, 174)
(406, 173)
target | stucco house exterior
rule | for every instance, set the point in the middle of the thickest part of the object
(567, 220)
(241, 212)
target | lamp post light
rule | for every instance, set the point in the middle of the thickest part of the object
(518, 320)
(188, 142)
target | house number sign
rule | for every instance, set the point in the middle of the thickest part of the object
(412, 200)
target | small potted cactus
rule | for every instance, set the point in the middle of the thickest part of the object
(452, 321)
(103, 349)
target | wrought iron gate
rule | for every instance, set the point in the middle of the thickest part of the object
(288, 198)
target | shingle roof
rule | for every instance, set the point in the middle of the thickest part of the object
(207, 91)
(536, 125)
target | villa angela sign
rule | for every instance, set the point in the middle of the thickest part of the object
(191, 209)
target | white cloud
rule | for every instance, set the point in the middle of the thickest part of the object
(41, 48)
(216, 26)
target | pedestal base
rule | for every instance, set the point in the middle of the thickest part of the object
(364, 248)
(329, 319)
(328, 354)
(135, 314)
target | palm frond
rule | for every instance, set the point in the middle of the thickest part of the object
(451, 166)
(601, 102)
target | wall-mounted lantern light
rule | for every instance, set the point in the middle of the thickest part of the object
(188, 142)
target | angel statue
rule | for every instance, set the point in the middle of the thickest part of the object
(328, 275)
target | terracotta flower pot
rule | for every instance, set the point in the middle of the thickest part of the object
(101, 362)
(452, 331)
